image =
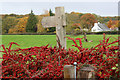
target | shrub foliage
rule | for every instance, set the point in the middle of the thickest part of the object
(48, 62)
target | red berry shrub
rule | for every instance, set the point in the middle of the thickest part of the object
(48, 62)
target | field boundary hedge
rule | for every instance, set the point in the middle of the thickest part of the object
(47, 62)
(52, 33)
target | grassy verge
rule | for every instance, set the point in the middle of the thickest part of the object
(26, 41)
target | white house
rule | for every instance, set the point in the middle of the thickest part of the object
(98, 27)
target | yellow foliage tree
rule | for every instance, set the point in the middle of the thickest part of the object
(20, 26)
(12, 30)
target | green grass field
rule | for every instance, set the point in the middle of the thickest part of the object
(26, 41)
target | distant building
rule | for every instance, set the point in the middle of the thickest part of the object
(98, 27)
(85, 29)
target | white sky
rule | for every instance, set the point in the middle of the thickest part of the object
(59, 0)
(99, 7)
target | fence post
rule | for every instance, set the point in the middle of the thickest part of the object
(86, 72)
(60, 26)
(69, 72)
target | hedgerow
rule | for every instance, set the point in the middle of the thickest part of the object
(48, 62)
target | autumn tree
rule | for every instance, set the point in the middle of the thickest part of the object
(117, 23)
(71, 19)
(106, 19)
(109, 23)
(21, 25)
(31, 23)
(77, 27)
(8, 22)
(87, 20)
(113, 24)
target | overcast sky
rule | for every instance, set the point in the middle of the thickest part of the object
(99, 7)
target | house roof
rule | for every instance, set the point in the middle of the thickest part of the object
(103, 27)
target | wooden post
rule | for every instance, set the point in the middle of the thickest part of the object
(58, 21)
(86, 73)
(69, 72)
(60, 26)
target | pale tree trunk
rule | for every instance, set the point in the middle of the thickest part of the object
(84, 33)
(85, 38)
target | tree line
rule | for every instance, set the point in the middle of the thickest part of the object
(31, 23)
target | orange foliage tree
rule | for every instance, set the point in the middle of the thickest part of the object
(87, 20)
(113, 24)
(109, 23)
(77, 25)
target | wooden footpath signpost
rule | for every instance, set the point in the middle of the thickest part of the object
(58, 21)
